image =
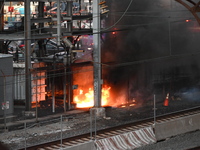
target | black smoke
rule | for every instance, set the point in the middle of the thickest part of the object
(155, 52)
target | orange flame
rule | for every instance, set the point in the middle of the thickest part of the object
(86, 99)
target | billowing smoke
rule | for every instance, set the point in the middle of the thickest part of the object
(154, 50)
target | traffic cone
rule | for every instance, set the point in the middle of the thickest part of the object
(166, 102)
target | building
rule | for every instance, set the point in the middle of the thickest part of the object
(38, 83)
(6, 84)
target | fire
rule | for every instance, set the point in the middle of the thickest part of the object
(86, 98)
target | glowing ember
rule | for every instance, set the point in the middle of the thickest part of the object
(86, 99)
(132, 105)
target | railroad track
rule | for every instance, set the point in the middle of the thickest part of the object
(102, 134)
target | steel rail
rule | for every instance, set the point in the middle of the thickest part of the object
(112, 131)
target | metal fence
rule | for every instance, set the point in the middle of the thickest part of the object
(56, 129)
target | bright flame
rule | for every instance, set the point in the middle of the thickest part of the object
(86, 99)
(187, 20)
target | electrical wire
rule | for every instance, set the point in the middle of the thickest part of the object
(124, 13)
(120, 20)
(120, 17)
(125, 64)
(23, 79)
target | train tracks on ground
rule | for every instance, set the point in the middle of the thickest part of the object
(114, 131)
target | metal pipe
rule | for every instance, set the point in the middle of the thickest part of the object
(95, 124)
(36, 98)
(64, 86)
(69, 77)
(27, 31)
(25, 134)
(91, 124)
(61, 133)
(10, 12)
(58, 23)
(154, 100)
(41, 14)
(69, 80)
(69, 14)
(53, 88)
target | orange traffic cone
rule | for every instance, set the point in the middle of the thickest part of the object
(166, 102)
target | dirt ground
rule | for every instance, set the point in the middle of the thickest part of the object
(76, 124)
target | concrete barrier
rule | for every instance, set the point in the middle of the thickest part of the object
(127, 141)
(178, 126)
(82, 146)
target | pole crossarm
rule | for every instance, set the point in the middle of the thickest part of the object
(193, 9)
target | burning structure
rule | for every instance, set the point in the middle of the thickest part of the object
(154, 50)
(147, 48)
(158, 54)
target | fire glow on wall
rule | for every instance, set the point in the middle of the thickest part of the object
(38, 84)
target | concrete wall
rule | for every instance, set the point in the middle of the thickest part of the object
(175, 127)
(19, 84)
(85, 146)
(6, 80)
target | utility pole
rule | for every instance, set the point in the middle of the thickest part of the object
(97, 59)
(67, 59)
(97, 54)
(27, 30)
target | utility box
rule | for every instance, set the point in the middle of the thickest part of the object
(6, 79)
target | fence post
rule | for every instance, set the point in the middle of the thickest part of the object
(93, 112)
(95, 124)
(154, 102)
(25, 134)
(90, 124)
(61, 134)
